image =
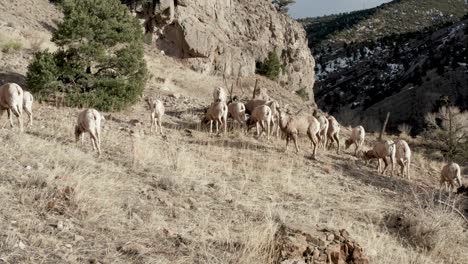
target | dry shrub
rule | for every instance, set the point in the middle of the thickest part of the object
(36, 44)
(405, 130)
(11, 46)
(260, 244)
(432, 228)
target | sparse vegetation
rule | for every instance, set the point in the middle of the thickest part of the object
(449, 130)
(107, 71)
(303, 93)
(282, 5)
(11, 46)
(271, 67)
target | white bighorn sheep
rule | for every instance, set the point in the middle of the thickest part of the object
(11, 99)
(219, 94)
(217, 112)
(261, 116)
(293, 126)
(380, 151)
(28, 100)
(450, 174)
(90, 121)
(357, 138)
(322, 135)
(403, 157)
(274, 105)
(333, 133)
(157, 112)
(237, 111)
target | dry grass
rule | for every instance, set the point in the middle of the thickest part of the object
(195, 199)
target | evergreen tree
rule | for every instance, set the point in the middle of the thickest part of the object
(271, 67)
(100, 58)
(282, 5)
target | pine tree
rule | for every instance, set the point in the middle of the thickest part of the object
(282, 5)
(99, 62)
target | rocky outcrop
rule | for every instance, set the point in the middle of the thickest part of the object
(317, 247)
(230, 36)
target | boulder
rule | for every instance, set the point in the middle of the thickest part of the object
(229, 37)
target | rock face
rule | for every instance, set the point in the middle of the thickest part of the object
(230, 36)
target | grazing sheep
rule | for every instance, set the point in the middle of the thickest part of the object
(27, 105)
(237, 112)
(11, 99)
(262, 116)
(357, 137)
(380, 151)
(322, 135)
(403, 157)
(450, 174)
(157, 112)
(252, 104)
(333, 133)
(293, 126)
(89, 121)
(217, 112)
(219, 94)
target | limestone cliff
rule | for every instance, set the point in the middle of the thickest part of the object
(230, 36)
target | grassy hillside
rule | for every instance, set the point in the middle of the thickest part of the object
(193, 198)
(396, 17)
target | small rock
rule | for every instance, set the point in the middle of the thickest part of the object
(28, 167)
(68, 246)
(79, 238)
(21, 245)
(60, 225)
(330, 237)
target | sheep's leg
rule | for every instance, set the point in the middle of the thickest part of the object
(408, 164)
(29, 117)
(211, 127)
(10, 118)
(160, 126)
(268, 131)
(314, 141)
(356, 149)
(93, 140)
(337, 139)
(386, 166)
(287, 143)
(257, 125)
(18, 113)
(217, 126)
(379, 165)
(294, 137)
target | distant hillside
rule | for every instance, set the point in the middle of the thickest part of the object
(396, 17)
(403, 74)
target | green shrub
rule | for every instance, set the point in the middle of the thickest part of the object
(12, 46)
(303, 94)
(271, 67)
(100, 58)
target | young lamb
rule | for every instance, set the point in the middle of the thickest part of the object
(90, 121)
(219, 94)
(217, 112)
(237, 112)
(380, 151)
(403, 157)
(11, 99)
(27, 105)
(333, 133)
(450, 174)
(261, 115)
(293, 126)
(157, 112)
(357, 137)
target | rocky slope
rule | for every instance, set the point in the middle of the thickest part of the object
(229, 37)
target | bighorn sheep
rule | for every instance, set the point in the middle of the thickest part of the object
(357, 137)
(11, 99)
(27, 105)
(217, 112)
(157, 112)
(333, 133)
(262, 116)
(274, 105)
(219, 94)
(403, 157)
(89, 121)
(322, 135)
(380, 151)
(293, 126)
(451, 172)
(237, 111)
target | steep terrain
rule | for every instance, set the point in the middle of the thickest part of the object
(401, 68)
(193, 198)
(230, 37)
